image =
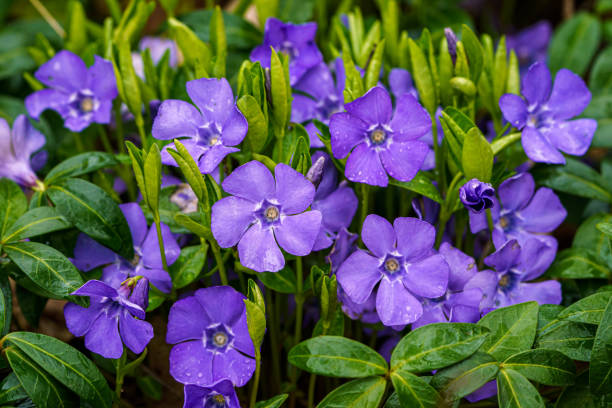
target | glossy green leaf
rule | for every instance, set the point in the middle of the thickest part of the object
(31, 304)
(477, 156)
(574, 43)
(46, 267)
(515, 391)
(474, 52)
(283, 281)
(393, 401)
(13, 204)
(254, 295)
(600, 108)
(152, 178)
(280, 91)
(579, 263)
(336, 356)
(420, 184)
(575, 340)
(191, 171)
(413, 391)
(600, 373)
(587, 310)
(590, 238)
(44, 390)
(6, 303)
(11, 390)
(513, 329)
(131, 90)
(193, 226)
(372, 73)
(188, 266)
(93, 212)
(579, 395)
(195, 51)
(422, 77)
(258, 126)
(37, 221)
(547, 316)
(462, 379)
(80, 164)
(218, 42)
(544, 366)
(256, 320)
(68, 365)
(360, 393)
(500, 69)
(600, 80)
(437, 345)
(274, 402)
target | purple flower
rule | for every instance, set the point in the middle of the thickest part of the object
(522, 215)
(212, 338)
(157, 47)
(210, 132)
(263, 213)
(366, 311)
(16, 148)
(344, 245)
(336, 202)
(402, 259)
(531, 43)
(513, 268)
(88, 254)
(79, 94)
(400, 83)
(457, 304)
(220, 395)
(380, 142)
(320, 97)
(477, 196)
(295, 40)
(451, 41)
(114, 317)
(543, 115)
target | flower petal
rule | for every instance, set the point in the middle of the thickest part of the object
(176, 119)
(136, 221)
(427, 278)
(95, 288)
(364, 166)
(400, 82)
(410, 120)
(158, 278)
(358, 275)
(486, 281)
(151, 256)
(374, 108)
(101, 79)
(26, 139)
(235, 128)
(546, 292)
(538, 148)
(191, 363)
(103, 337)
(258, 250)
(181, 324)
(317, 81)
(66, 72)
(338, 208)
(536, 84)
(135, 333)
(222, 304)
(293, 191)
(514, 109)
(572, 137)
(461, 266)
(39, 101)
(214, 98)
(89, 254)
(231, 216)
(378, 235)
(516, 191)
(233, 366)
(570, 95)
(415, 238)
(544, 212)
(79, 319)
(403, 160)
(297, 233)
(252, 181)
(395, 305)
(505, 257)
(346, 132)
(211, 158)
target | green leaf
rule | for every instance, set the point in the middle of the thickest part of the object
(574, 43)
(477, 156)
(46, 267)
(544, 366)
(258, 126)
(336, 356)
(152, 178)
(129, 80)
(274, 402)
(254, 295)
(11, 390)
(600, 108)
(68, 365)
(37, 221)
(420, 184)
(218, 42)
(587, 310)
(283, 281)
(280, 91)
(513, 329)
(575, 340)
(578, 263)
(579, 395)
(256, 320)
(462, 379)
(30, 303)
(13, 204)
(361, 393)
(574, 178)
(413, 391)
(193, 226)
(372, 73)
(336, 328)
(422, 77)
(188, 266)
(588, 237)
(93, 212)
(191, 172)
(39, 385)
(77, 34)
(6, 303)
(195, 51)
(474, 52)
(515, 391)
(393, 401)
(437, 345)
(600, 373)
(600, 80)
(296, 11)
(80, 164)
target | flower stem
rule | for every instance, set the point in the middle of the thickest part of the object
(256, 380)
(160, 240)
(105, 141)
(274, 335)
(219, 260)
(490, 221)
(119, 376)
(311, 389)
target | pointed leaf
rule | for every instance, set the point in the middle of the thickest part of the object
(80, 164)
(413, 391)
(548, 367)
(361, 393)
(37, 221)
(515, 391)
(462, 379)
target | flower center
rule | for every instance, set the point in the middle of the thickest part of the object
(504, 281)
(504, 222)
(288, 48)
(220, 340)
(215, 401)
(471, 266)
(86, 105)
(391, 265)
(272, 213)
(378, 136)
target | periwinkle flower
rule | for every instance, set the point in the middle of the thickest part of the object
(457, 304)
(210, 133)
(16, 149)
(477, 196)
(508, 284)
(157, 47)
(344, 245)
(88, 254)
(263, 213)
(295, 40)
(79, 94)
(211, 337)
(402, 259)
(220, 395)
(522, 215)
(378, 141)
(543, 115)
(531, 43)
(115, 317)
(366, 311)
(451, 41)
(336, 202)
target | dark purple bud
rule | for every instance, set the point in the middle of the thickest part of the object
(451, 40)
(315, 172)
(477, 196)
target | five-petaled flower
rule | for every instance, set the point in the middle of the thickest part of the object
(211, 337)
(114, 317)
(79, 94)
(477, 196)
(147, 262)
(381, 142)
(209, 133)
(402, 259)
(16, 149)
(262, 214)
(543, 115)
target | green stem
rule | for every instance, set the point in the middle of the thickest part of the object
(119, 129)
(105, 141)
(219, 260)
(274, 335)
(312, 382)
(500, 144)
(440, 230)
(438, 155)
(490, 221)
(160, 240)
(364, 202)
(119, 376)
(242, 7)
(253, 400)
(142, 133)
(78, 142)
